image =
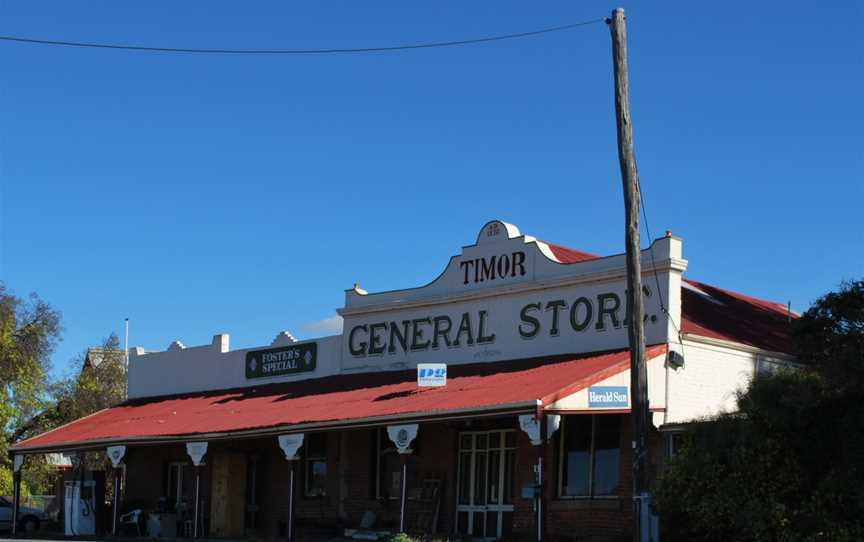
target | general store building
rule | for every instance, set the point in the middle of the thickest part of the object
(528, 439)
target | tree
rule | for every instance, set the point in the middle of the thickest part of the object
(29, 331)
(830, 337)
(789, 464)
(97, 381)
(101, 383)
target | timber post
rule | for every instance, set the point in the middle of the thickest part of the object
(635, 325)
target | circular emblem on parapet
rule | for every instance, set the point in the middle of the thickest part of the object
(402, 438)
(308, 356)
(252, 364)
(496, 230)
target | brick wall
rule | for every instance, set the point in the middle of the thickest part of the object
(599, 519)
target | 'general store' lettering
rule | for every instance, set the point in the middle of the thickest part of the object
(600, 312)
(419, 334)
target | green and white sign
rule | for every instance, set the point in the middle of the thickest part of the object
(297, 358)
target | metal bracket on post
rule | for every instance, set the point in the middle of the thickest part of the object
(196, 451)
(290, 444)
(402, 436)
(553, 422)
(529, 424)
(116, 454)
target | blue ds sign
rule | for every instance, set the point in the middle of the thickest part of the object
(607, 397)
(431, 374)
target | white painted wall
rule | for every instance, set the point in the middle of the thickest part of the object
(708, 382)
(212, 367)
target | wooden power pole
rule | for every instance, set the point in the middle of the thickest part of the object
(635, 325)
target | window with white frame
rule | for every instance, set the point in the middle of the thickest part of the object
(589, 455)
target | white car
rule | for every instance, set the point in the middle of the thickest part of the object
(28, 518)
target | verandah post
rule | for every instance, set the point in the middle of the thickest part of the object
(116, 455)
(197, 501)
(403, 460)
(531, 425)
(402, 436)
(17, 462)
(290, 527)
(290, 444)
(544, 448)
(114, 509)
(196, 451)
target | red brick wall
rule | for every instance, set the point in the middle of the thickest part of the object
(601, 520)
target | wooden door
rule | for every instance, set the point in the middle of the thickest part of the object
(228, 494)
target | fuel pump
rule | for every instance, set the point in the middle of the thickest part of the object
(83, 501)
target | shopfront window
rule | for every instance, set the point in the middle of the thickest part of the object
(315, 459)
(589, 455)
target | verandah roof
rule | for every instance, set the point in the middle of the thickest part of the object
(345, 400)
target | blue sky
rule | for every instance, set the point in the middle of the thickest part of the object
(238, 194)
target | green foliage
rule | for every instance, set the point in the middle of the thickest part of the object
(100, 384)
(830, 336)
(400, 537)
(789, 465)
(29, 331)
(29, 405)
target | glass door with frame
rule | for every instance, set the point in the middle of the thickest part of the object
(484, 505)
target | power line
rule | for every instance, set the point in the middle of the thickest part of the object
(300, 51)
(663, 308)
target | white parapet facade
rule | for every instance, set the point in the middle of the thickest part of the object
(508, 296)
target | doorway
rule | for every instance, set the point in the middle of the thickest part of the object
(484, 502)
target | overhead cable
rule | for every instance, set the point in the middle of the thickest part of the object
(141, 48)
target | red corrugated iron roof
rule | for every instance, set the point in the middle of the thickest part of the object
(570, 255)
(722, 314)
(340, 398)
